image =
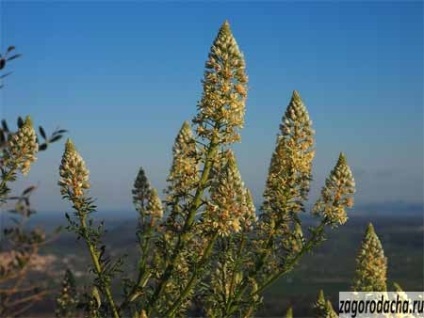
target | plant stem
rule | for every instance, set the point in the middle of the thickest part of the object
(141, 268)
(306, 247)
(228, 311)
(6, 177)
(189, 286)
(258, 267)
(97, 265)
(197, 200)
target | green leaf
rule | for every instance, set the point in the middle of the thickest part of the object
(42, 132)
(55, 138)
(96, 295)
(5, 75)
(42, 147)
(20, 122)
(2, 137)
(28, 190)
(14, 57)
(4, 125)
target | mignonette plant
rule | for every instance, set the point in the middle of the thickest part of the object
(204, 248)
(370, 274)
(19, 245)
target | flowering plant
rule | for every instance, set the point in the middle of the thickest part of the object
(204, 248)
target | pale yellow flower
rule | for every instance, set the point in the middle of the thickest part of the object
(22, 147)
(224, 91)
(337, 194)
(290, 170)
(230, 208)
(371, 268)
(73, 172)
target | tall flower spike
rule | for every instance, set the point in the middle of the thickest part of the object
(228, 210)
(140, 191)
(337, 194)
(184, 173)
(67, 301)
(290, 170)
(222, 107)
(323, 308)
(22, 147)
(154, 205)
(371, 264)
(145, 198)
(73, 173)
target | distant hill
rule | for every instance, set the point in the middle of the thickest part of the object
(51, 220)
(394, 207)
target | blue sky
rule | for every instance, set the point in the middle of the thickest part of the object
(122, 77)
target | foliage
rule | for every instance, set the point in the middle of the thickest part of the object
(19, 246)
(67, 301)
(204, 248)
(370, 274)
(4, 60)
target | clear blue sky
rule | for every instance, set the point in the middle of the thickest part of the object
(122, 77)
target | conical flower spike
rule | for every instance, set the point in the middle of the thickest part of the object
(184, 171)
(73, 173)
(140, 191)
(22, 147)
(289, 173)
(323, 308)
(222, 107)
(67, 301)
(154, 205)
(337, 194)
(227, 210)
(371, 264)
(145, 198)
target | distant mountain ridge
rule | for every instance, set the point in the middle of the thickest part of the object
(395, 208)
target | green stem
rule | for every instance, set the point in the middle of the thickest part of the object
(197, 200)
(4, 190)
(258, 267)
(306, 247)
(97, 265)
(196, 272)
(141, 268)
(228, 311)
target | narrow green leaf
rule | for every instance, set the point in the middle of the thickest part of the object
(42, 132)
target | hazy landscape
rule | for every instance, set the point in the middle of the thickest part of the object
(330, 267)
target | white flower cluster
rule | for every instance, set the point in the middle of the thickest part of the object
(73, 172)
(21, 148)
